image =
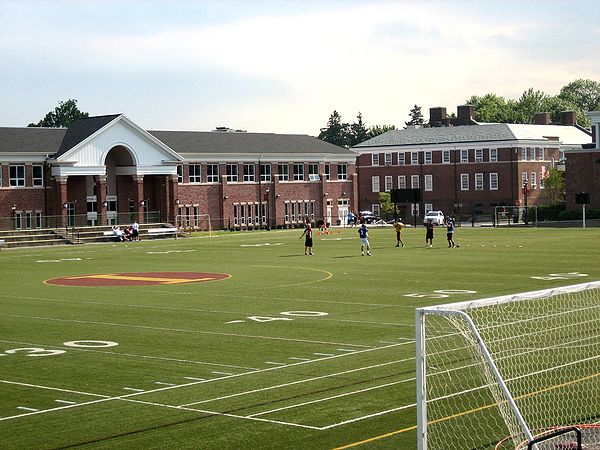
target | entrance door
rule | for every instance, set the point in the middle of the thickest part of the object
(111, 209)
(329, 212)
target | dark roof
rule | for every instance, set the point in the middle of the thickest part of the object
(31, 139)
(81, 129)
(237, 142)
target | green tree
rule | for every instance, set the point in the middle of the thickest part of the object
(358, 132)
(491, 108)
(387, 207)
(585, 94)
(62, 116)
(529, 103)
(376, 130)
(416, 116)
(336, 132)
(554, 186)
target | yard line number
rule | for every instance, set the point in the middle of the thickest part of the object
(37, 352)
(441, 293)
(285, 315)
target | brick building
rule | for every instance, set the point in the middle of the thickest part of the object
(106, 169)
(464, 167)
(582, 171)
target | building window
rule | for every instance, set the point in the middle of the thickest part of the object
(414, 208)
(401, 161)
(446, 157)
(232, 174)
(376, 208)
(194, 173)
(248, 173)
(327, 171)
(265, 173)
(479, 182)
(541, 154)
(16, 176)
(533, 182)
(464, 156)
(180, 173)
(414, 158)
(38, 175)
(524, 153)
(493, 181)
(428, 157)
(388, 183)
(464, 181)
(414, 182)
(493, 154)
(479, 155)
(532, 153)
(428, 207)
(428, 182)
(374, 184)
(284, 172)
(313, 172)
(388, 159)
(401, 181)
(212, 173)
(342, 172)
(298, 172)
(524, 178)
(375, 159)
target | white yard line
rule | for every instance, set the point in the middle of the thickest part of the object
(181, 330)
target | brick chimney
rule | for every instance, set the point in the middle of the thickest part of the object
(568, 118)
(542, 118)
(437, 116)
(466, 115)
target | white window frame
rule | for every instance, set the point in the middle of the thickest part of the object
(494, 181)
(414, 158)
(428, 181)
(428, 157)
(212, 175)
(375, 159)
(464, 181)
(464, 156)
(479, 181)
(298, 172)
(541, 153)
(376, 208)
(194, 173)
(524, 153)
(445, 156)
(342, 172)
(493, 154)
(16, 175)
(415, 182)
(180, 173)
(388, 159)
(388, 183)
(428, 207)
(265, 173)
(249, 172)
(375, 183)
(283, 171)
(401, 181)
(36, 180)
(533, 180)
(401, 159)
(232, 175)
(532, 153)
(313, 172)
(478, 155)
(327, 171)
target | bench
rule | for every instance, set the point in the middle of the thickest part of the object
(162, 232)
(2, 243)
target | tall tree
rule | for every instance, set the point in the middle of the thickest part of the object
(529, 103)
(491, 108)
(358, 131)
(585, 94)
(376, 130)
(336, 131)
(416, 116)
(63, 115)
(554, 186)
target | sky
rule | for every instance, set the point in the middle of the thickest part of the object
(284, 66)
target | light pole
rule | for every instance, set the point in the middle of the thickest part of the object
(525, 192)
(267, 200)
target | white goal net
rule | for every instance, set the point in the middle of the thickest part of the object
(509, 369)
(194, 222)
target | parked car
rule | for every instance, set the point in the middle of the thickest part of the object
(368, 217)
(437, 217)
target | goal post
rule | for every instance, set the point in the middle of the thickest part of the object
(195, 222)
(516, 366)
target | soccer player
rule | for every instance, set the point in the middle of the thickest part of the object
(308, 239)
(363, 233)
(398, 225)
(429, 234)
(450, 231)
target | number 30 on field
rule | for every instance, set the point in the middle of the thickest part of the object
(37, 352)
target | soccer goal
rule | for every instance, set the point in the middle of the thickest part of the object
(506, 216)
(195, 222)
(506, 372)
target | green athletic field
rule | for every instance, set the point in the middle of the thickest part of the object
(290, 352)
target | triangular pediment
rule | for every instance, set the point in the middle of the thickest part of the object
(88, 141)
